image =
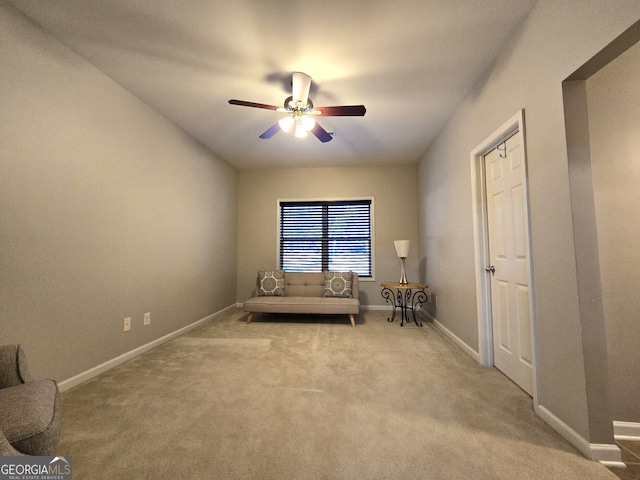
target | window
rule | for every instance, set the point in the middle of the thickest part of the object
(326, 235)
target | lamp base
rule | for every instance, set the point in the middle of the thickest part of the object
(403, 272)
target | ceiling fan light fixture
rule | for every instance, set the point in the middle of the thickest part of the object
(300, 131)
(308, 123)
(286, 123)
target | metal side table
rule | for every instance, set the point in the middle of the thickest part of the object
(405, 297)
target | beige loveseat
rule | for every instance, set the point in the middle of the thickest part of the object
(305, 293)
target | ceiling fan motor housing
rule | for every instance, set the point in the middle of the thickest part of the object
(292, 106)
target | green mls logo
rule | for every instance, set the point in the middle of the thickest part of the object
(35, 468)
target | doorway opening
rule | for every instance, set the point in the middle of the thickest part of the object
(600, 105)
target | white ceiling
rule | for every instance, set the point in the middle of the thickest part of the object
(410, 62)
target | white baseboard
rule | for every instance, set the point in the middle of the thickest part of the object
(452, 336)
(114, 362)
(379, 308)
(626, 430)
(607, 454)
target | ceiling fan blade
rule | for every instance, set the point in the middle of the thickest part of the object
(300, 85)
(321, 133)
(342, 111)
(242, 103)
(271, 132)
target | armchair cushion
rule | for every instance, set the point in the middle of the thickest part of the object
(13, 366)
(6, 450)
(30, 410)
(31, 416)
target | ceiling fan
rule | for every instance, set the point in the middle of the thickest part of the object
(300, 111)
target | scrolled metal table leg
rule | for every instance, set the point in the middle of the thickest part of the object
(404, 302)
(389, 296)
(419, 297)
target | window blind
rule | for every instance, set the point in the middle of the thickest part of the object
(326, 235)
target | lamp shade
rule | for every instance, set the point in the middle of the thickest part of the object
(402, 248)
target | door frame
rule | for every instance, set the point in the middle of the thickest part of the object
(513, 126)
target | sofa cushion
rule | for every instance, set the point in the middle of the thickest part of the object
(337, 284)
(304, 284)
(306, 305)
(31, 416)
(271, 283)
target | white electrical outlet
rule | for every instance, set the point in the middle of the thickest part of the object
(147, 318)
(127, 324)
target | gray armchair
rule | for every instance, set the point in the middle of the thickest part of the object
(30, 410)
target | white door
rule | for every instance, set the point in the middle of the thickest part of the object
(509, 261)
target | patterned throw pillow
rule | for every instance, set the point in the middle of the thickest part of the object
(337, 284)
(271, 283)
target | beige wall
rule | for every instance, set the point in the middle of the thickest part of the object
(394, 190)
(556, 39)
(108, 210)
(614, 125)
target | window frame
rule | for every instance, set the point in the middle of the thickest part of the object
(332, 199)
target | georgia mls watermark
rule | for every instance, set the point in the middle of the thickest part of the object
(35, 468)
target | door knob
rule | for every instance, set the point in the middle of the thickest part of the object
(490, 268)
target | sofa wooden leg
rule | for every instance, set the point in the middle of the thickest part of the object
(353, 320)
(249, 317)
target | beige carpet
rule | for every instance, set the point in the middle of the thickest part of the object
(311, 399)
